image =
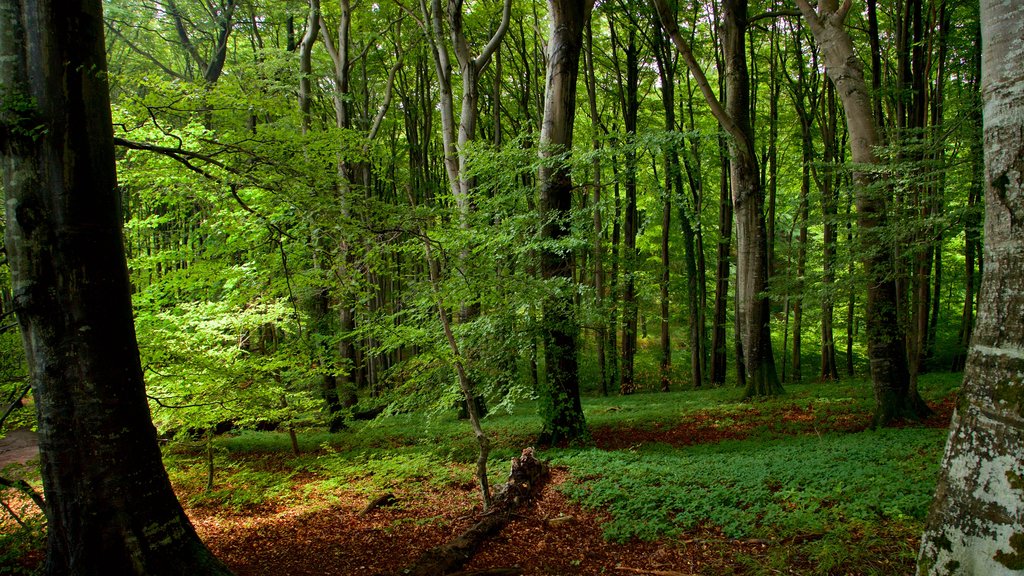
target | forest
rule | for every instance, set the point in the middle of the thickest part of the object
(736, 286)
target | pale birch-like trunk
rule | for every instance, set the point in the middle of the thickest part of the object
(976, 524)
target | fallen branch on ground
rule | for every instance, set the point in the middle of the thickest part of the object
(652, 572)
(25, 488)
(381, 501)
(526, 476)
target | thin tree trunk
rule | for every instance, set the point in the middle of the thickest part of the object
(630, 256)
(598, 251)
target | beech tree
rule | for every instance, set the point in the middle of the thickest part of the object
(562, 413)
(752, 310)
(109, 505)
(894, 397)
(976, 523)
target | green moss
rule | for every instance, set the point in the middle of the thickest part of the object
(1012, 395)
(1013, 560)
(1015, 480)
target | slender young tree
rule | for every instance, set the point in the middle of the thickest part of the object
(109, 505)
(561, 411)
(976, 523)
(630, 104)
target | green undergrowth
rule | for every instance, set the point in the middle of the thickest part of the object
(827, 499)
(775, 489)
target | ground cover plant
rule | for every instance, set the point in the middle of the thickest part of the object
(689, 482)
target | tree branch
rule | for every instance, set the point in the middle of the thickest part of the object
(24, 488)
(499, 34)
(143, 53)
(668, 22)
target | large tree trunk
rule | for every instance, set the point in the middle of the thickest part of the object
(752, 312)
(109, 505)
(976, 524)
(894, 397)
(561, 411)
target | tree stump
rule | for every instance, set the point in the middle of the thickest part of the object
(526, 476)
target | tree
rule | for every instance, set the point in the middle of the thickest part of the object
(561, 411)
(894, 397)
(976, 523)
(109, 504)
(753, 309)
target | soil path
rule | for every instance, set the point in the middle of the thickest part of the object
(18, 446)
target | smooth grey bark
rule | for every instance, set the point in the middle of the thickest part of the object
(976, 523)
(752, 309)
(349, 176)
(109, 505)
(894, 397)
(561, 411)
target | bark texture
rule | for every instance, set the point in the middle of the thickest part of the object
(560, 399)
(752, 309)
(976, 524)
(894, 397)
(109, 505)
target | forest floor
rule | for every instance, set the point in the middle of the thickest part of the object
(551, 536)
(306, 522)
(17, 447)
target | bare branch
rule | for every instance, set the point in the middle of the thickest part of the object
(499, 34)
(135, 48)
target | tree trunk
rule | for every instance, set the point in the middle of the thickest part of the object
(976, 523)
(719, 349)
(753, 312)
(630, 256)
(972, 227)
(829, 210)
(109, 505)
(561, 411)
(598, 250)
(894, 397)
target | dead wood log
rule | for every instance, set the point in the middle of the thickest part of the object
(526, 476)
(387, 499)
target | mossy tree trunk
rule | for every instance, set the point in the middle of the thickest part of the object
(561, 410)
(976, 524)
(109, 505)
